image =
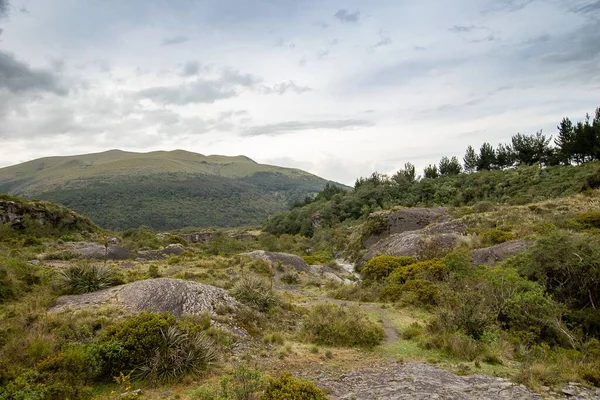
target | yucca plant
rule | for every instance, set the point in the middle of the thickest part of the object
(255, 292)
(86, 278)
(179, 354)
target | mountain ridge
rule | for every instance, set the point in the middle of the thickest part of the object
(114, 186)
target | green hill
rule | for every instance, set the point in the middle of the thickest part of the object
(163, 190)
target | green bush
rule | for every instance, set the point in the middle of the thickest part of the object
(424, 292)
(255, 292)
(290, 278)
(380, 267)
(174, 239)
(287, 387)
(590, 219)
(85, 278)
(433, 270)
(177, 354)
(130, 343)
(496, 236)
(63, 255)
(334, 325)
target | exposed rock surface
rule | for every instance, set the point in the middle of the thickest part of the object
(424, 381)
(403, 220)
(411, 243)
(499, 252)
(199, 237)
(14, 213)
(174, 249)
(93, 251)
(176, 296)
(291, 260)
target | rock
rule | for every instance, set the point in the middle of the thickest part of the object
(403, 220)
(176, 296)
(414, 244)
(499, 252)
(173, 249)
(114, 240)
(95, 251)
(149, 255)
(199, 237)
(291, 260)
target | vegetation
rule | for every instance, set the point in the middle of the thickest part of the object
(286, 387)
(334, 325)
(255, 292)
(85, 278)
(163, 190)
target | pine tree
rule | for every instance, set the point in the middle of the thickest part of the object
(470, 160)
(531, 149)
(449, 166)
(565, 141)
(431, 171)
(505, 156)
(487, 157)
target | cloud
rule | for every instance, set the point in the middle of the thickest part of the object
(16, 76)
(578, 46)
(3, 8)
(199, 91)
(283, 128)
(346, 16)
(506, 6)
(488, 38)
(384, 40)
(589, 8)
(282, 88)
(174, 40)
(23, 10)
(192, 68)
(464, 28)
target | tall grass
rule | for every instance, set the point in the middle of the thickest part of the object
(86, 278)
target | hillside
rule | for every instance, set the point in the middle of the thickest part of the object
(163, 190)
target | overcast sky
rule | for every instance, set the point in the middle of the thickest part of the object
(338, 88)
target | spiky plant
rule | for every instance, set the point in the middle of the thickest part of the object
(86, 278)
(255, 292)
(179, 354)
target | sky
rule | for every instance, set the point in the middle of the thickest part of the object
(338, 88)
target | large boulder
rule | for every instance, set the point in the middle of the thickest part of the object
(291, 260)
(414, 243)
(499, 252)
(384, 223)
(176, 296)
(199, 237)
(93, 251)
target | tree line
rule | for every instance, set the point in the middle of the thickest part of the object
(575, 143)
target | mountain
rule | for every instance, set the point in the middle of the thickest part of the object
(162, 189)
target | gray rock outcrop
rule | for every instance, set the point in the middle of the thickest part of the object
(499, 252)
(176, 296)
(284, 259)
(93, 251)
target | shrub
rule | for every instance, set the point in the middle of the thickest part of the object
(412, 331)
(380, 267)
(433, 270)
(63, 255)
(130, 343)
(590, 219)
(287, 387)
(360, 292)
(86, 278)
(177, 354)
(241, 384)
(483, 206)
(255, 292)
(153, 271)
(334, 325)
(424, 292)
(290, 278)
(496, 236)
(174, 239)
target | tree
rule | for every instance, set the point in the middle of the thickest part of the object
(531, 149)
(565, 141)
(487, 157)
(470, 160)
(431, 171)
(505, 156)
(450, 166)
(405, 175)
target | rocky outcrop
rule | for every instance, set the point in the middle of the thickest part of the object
(385, 223)
(424, 382)
(283, 259)
(413, 244)
(163, 294)
(173, 249)
(93, 251)
(199, 237)
(14, 212)
(499, 252)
